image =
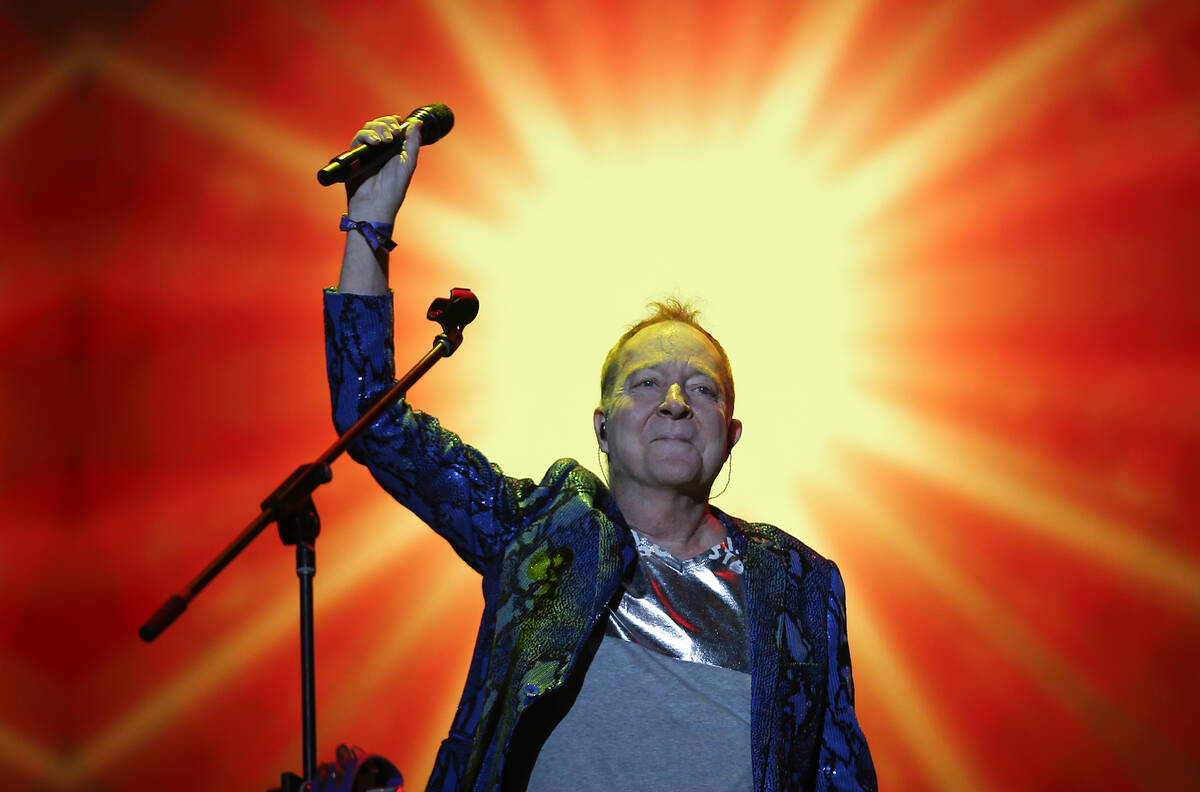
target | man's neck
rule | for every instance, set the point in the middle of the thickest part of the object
(677, 522)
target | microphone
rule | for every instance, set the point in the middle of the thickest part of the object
(436, 120)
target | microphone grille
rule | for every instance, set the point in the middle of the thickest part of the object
(436, 121)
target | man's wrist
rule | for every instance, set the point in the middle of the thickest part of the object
(377, 235)
(372, 212)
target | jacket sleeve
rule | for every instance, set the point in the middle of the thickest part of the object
(445, 482)
(845, 760)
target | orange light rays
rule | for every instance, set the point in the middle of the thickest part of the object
(894, 685)
(415, 617)
(384, 83)
(1123, 733)
(33, 94)
(223, 118)
(923, 447)
(664, 99)
(274, 622)
(490, 43)
(1031, 190)
(844, 129)
(1018, 458)
(982, 111)
(25, 755)
(200, 107)
(439, 604)
(725, 87)
(818, 39)
(585, 66)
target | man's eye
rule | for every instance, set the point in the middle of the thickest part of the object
(646, 383)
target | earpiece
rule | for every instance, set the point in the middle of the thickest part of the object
(603, 430)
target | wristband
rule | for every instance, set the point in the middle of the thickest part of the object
(378, 235)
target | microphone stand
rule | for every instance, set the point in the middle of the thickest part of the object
(291, 507)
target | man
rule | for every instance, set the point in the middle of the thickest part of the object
(633, 636)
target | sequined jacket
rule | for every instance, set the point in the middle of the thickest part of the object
(552, 555)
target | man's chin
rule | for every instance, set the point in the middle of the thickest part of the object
(682, 471)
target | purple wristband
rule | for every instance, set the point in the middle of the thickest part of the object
(378, 235)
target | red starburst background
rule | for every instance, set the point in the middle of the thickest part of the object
(1024, 574)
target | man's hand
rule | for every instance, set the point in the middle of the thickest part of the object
(377, 196)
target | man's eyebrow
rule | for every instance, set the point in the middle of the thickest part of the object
(640, 370)
(693, 371)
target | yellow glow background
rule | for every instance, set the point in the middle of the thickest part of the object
(950, 247)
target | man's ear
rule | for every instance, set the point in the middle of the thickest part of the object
(599, 421)
(734, 433)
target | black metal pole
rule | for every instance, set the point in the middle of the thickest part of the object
(306, 569)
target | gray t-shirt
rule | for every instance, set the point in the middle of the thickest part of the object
(656, 711)
(645, 722)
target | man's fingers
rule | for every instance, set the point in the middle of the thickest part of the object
(368, 136)
(380, 127)
(380, 130)
(377, 131)
(412, 142)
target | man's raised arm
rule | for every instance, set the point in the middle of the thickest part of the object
(376, 199)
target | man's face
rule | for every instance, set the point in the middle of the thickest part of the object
(666, 423)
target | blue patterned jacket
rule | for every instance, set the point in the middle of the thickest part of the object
(552, 555)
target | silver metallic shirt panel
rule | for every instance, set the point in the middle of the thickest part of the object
(693, 610)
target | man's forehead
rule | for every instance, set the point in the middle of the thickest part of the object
(670, 341)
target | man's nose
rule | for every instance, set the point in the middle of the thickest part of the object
(674, 404)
